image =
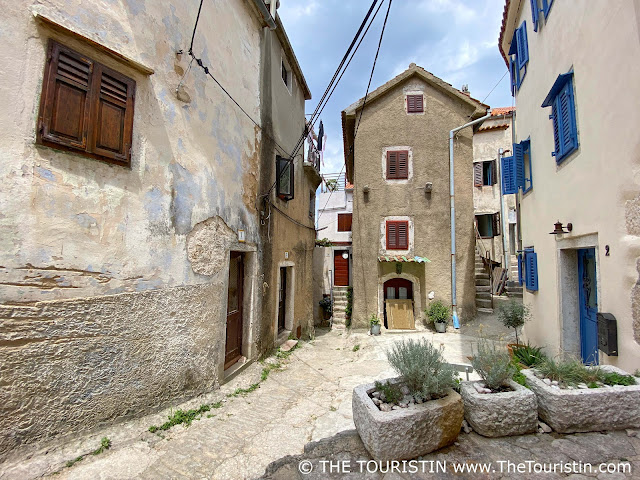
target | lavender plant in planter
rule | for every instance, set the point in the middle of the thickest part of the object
(426, 413)
(497, 406)
(574, 398)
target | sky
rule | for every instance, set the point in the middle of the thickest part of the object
(456, 40)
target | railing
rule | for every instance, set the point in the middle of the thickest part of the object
(333, 182)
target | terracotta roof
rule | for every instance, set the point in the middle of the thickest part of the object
(502, 111)
(403, 258)
(348, 186)
(502, 126)
(502, 29)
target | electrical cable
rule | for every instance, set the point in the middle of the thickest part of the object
(193, 35)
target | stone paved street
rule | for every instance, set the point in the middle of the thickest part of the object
(309, 399)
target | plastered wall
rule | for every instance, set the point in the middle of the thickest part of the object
(596, 188)
(385, 123)
(113, 280)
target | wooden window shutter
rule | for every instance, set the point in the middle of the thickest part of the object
(65, 103)
(392, 164)
(344, 222)
(403, 164)
(494, 172)
(496, 224)
(509, 185)
(477, 174)
(112, 115)
(397, 235)
(415, 104)
(403, 235)
(392, 235)
(535, 14)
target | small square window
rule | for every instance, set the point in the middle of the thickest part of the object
(485, 173)
(488, 225)
(344, 222)
(397, 235)
(415, 104)
(286, 75)
(563, 115)
(312, 205)
(397, 164)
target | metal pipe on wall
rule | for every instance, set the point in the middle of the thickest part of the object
(454, 302)
(266, 14)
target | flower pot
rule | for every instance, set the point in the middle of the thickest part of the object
(587, 410)
(441, 327)
(500, 414)
(375, 329)
(407, 432)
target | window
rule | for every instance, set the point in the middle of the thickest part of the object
(344, 222)
(519, 52)
(397, 164)
(535, 14)
(528, 269)
(85, 107)
(312, 205)
(398, 235)
(285, 74)
(546, 7)
(563, 115)
(484, 173)
(488, 225)
(516, 170)
(284, 178)
(415, 104)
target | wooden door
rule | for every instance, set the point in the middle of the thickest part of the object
(233, 345)
(588, 306)
(282, 299)
(341, 268)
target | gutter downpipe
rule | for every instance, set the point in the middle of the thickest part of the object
(454, 302)
(503, 219)
(265, 13)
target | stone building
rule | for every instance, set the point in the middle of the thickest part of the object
(131, 222)
(576, 165)
(399, 164)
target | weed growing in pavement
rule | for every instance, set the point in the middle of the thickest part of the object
(184, 417)
(71, 463)
(105, 444)
(356, 348)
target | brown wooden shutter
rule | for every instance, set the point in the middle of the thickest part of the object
(414, 104)
(65, 101)
(496, 224)
(403, 235)
(392, 165)
(494, 172)
(403, 164)
(477, 174)
(391, 235)
(344, 222)
(419, 104)
(112, 115)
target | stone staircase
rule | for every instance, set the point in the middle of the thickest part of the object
(514, 289)
(339, 304)
(483, 287)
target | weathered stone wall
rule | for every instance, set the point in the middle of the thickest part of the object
(113, 280)
(384, 124)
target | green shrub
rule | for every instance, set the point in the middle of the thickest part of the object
(513, 314)
(493, 365)
(391, 391)
(528, 355)
(422, 368)
(374, 320)
(325, 303)
(613, 378)
(571, 371)
(438, 312)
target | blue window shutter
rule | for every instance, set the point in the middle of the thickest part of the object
(509, 185)
(518, 155)
(564, 128)
(535, 14)
(513, 71)
(532, 271)
(523, 47)
(546, 6)
(556, 130)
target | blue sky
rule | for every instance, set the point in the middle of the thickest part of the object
(456, 40)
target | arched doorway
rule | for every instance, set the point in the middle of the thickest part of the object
(400, 292)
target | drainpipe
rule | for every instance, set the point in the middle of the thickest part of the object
(265, 13)
(503, 221)
(454, 302)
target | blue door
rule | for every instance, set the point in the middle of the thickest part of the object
(588, 306)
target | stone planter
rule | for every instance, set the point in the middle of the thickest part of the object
(587, 410)
(375, 329)
(441, 327)
(500, 414)
(406, 433)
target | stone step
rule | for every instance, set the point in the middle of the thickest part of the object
(515, 294)
(482, 282)
(484, 310)
(483, 295)
(482, 276)
(483, 288)
(483, 303)
(340, 289)
(340, 303)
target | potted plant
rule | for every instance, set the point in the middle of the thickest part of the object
(497, 406)
(325, 304)
(438, 314)
(575, 398)
(374, 323)
(426, 416)
(513, 314)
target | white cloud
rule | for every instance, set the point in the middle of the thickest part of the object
(296, 12)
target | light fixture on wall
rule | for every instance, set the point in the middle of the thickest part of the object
(559, 229)
(345, 255)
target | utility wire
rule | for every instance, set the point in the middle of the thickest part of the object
(364, 104)
(193, 35)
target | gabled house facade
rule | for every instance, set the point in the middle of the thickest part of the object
(574, 164)
(399, 163)
(132, 270)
